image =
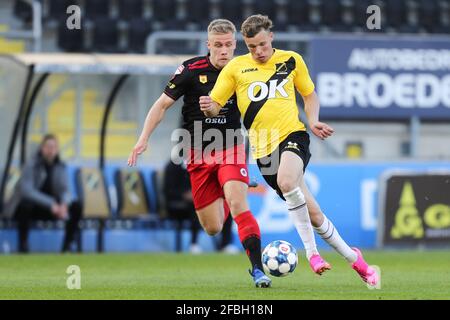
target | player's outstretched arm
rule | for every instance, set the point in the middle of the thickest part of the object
(154, 117)
(312, 107)
(209, 107)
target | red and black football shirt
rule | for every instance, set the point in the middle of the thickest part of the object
(194, 78)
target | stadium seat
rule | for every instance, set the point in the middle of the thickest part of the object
(164, 10)
(97, 9)
(197, 11)
(138, 31)
(331, 14)
(92, 193)
(23, 11)
(297, 12)
(130, 9)
(57, 9)
(93, 196)
(106, 35)
(395, 13)
(131, 194)
(267, 8)
(70, 40)
(428, 15)
(232, 10)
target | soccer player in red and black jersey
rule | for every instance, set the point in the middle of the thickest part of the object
(219, 175)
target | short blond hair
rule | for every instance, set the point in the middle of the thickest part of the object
(221, 26)
(254, 24)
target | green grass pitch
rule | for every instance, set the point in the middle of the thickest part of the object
(405, 275)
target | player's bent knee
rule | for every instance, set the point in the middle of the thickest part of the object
(237, 206)
(212, 229)
(286, 184)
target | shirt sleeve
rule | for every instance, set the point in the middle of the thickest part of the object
(225, 85)
(176, 87)
(302, 80)
(29, 190)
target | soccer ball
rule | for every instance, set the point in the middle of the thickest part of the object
(279, 258)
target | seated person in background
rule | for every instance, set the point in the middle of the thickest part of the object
(43, 194)
(179, 203)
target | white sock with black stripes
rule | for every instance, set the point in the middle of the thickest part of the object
(300, 216)
(330, 234)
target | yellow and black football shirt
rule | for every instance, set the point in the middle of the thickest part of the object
(266, 96)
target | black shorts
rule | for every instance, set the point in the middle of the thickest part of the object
(298, 143)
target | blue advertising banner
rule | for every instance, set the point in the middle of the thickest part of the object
(381, 77)
(347, 194)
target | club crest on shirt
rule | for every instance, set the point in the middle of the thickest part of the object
(281, 68)
(203, 78)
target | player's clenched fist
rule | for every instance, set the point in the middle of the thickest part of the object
(206, 103)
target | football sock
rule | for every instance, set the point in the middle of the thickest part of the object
(330, 234)
(250, 237)
(300, 216)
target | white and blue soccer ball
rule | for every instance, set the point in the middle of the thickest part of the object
(279, 258)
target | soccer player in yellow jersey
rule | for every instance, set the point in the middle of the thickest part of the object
(265, 82)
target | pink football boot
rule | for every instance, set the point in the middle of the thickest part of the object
(366, 272)
(318, 265)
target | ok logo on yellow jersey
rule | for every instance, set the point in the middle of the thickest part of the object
(259, 90)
